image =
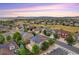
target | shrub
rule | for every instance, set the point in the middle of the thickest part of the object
(51, 41)
(23, 51)
(26, 30)
(34, 34)
(46, 33)
(2, 39)
(70, 40)
(8, 38)
(56, 36)
(45, 45)
(35, 49)
(17, 37)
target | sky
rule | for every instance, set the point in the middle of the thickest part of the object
(39, 9)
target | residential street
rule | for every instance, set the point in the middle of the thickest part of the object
(72, 48)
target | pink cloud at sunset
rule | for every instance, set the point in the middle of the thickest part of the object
(57, 10)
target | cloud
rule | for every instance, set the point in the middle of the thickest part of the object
(47, 7)
(51, 13)
(48, 10)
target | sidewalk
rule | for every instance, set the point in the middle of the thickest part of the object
(51, 48)
(62, 40)
(65, 47)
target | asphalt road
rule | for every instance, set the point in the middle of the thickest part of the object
(58, 51)
(72, 48)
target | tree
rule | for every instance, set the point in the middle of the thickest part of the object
(35, 49)
(56, 36)
(26, 30)
(46, 33)
(17, 37)
(51, 41)
(70, 40)
(2, 39)
(45, 45)
(21, 44)
(34, 34)
(8, 38)
(23, 51)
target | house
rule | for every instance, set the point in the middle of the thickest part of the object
(4, 28)
(62, 33)
(54, 22)
(26, 36)
(8, 48)
(38, 39)
(76, 24)
(76, 36)
(20, 27)
(65, 23)
(37, 29)
(12, 45)
(71, 23)
(5, 51)
(31, 27)
(43, 22)
(53, 31)
(48, 30)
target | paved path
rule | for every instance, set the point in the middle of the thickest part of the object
(74, 49)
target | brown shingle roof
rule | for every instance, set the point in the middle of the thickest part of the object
(5, 49)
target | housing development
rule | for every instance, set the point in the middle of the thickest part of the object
(39, 29)
(39, 36)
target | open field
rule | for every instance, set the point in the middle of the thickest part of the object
(67, 28)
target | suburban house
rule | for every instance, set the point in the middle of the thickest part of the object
(62, 33)
(71, 23)
(65, 23)
(38, 39)
(4, 28)
(76, 36)
(31, 27)
(54, 22)
(37, 30)
(8, 48)
(26, 36)
(20, 27)
(49, 30)
(76, 24)
(5, 51)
